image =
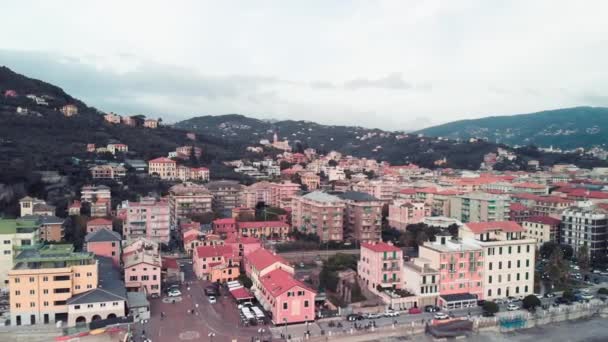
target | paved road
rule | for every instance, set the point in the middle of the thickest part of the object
(311, 255)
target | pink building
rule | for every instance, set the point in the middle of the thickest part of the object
(460, 266)
(104, 242)
(147, 218)
(261, 262)
(225, 227)
(216, 263)
(142, 266)
(380, 266)
(281, 193)
(319, 213)
(99, 223)
(402, 213)
(244, 245)
(289, 300)
(272, 230)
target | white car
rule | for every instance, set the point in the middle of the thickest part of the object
(174, 293)
(212, 299)
(441, 316)
(391, 313)
(512, 307)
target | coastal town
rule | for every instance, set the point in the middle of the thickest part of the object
(314, 245)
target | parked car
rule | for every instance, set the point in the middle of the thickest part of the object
(414, 311)
(211, 291)
(373, 315)
(431, 308)
(549, 295)
(480, 302)
(487, 314)
(391, 313)
(441, 316)
(562, 300)
(512, 307)
(354, 317)
(212, 299)
(500, 301)
(174, 293)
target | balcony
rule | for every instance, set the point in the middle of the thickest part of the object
(390, 280)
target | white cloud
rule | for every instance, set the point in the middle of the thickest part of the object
(388, 64)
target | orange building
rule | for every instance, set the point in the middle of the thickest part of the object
(216, 263)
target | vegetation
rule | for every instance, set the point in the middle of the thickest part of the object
(490, 308)
(583, 260)
(568, 294)
(602, 291)
(414, 235)
(328, 278)
(245, 280)
(531, 302)
(558, 268)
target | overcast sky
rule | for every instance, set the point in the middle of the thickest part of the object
(387, 64)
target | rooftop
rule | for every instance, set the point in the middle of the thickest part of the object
(320, 196)
(52, 256)
(505, 226)
(357, 196)
(102, 235)
(379, 247)
(279, 281)
(263, 258)
(544, 220)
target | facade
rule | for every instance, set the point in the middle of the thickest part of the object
(142, 266)
(381, 266)
(151, 123)
(216, 263)
(585, 224)
(99, 198)
(108, 172)
(319, 213)
(15, 236)
(255, 193)
(51, 228)
(422, 280)
(289, 300)
(281, 193)
(362, 216)
(226, 194)
(542, 229)
(35, 206)
(402, 213)
(509, 256)
(105, 243)
(225, 227)
(99, 223)
(270, 230)
(165, 168)
(310, 180)
(114, 148)
(187, 199)
(44, 279)
(69, 110)
(147, 218)
(259, 263)
(479, 207)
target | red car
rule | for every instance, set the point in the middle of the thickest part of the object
(414, 311)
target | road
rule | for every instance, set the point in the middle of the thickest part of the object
(312, 255)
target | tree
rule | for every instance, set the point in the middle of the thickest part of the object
(284, 165)
(245, 280)
(568, 295)
(582, 259)
(547, 248)
(490, 307)
(602, 291)
(558, 268)
(530, 302)
(332, 163)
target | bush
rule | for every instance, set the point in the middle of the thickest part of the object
(602, 291)
(568, 295)
(530, 302)
(490, 307)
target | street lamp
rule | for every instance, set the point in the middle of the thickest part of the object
(211, 335)
(307, 330)
(285, 321)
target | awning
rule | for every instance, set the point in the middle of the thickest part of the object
(241, 293)
(459, 297)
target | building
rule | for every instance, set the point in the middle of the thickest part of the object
(288, 299)
(519, 212)
(362, 216)
(480, 207)
(51, 228)
(269, 230)
(226, 194)
(16, 235)
(585, 224)
(225, 227)
(508, 265)
(551, 206)
(35, 206)
(147, 218)
(99, 223)
(402, 213)
(44, 279)
(380, 266)
(310, 180)
(216, 263)
(319, 213)
(162, 167)
(108, 172)
(184, 152)
(151, 123)
(460, 266)
(106, 243)
(542, 229)
(282, 193)
(114, 148)
(142, 266)
(188, 199)
(259, 263)
(69, 110)
(99, 198)
(244, 245)
(422, 280)
(255, 193)
(112, 118)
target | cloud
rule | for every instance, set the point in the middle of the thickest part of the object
(391, 81)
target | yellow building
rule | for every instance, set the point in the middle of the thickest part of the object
(43, 279)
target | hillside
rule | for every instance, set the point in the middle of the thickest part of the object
(566, 128)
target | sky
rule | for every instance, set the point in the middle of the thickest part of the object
(397, 65)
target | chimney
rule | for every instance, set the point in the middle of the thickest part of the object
(442, 239)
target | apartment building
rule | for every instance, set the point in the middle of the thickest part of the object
(187, 199)
(402, 213)
(362, 216)
(15, 235)
(508, 257)
(226, 194)
(460, 266)
(282, 193)
(256, 193)
(163, 167)
(422, 280)
(551, 206)
(105, 243)
(381, 266)
(51, 228)
(319, 213)
(142, 266)
(310, 180)
(147, 218)
(260, 262)
(585, 224)
(542, 229)
(108, 172)
(99, 223)
(99, 198)
(480, 207)
(35, 206)
(269, 230)
(44, 279)
(216, 263)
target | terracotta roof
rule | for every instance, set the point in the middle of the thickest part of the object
(407, 191)
(529, 185)
(526, 195)
(224, 221)
(162, 160)
(505, 226)
(279, 281)
(241, 293)
(543, 220)
(170, 263)
(263, 258)
(261, 224)
(99, 221)
(380, 247)
(518, 207)
(214, 251)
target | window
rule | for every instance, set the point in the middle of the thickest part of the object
(76, 307)
(61, 290)
(528, 249)
(490, 293)
(500, 265)
(284, 306)
(32, 292)
(7, 242)
(45, 291)
(500, 250)
(154, 277)
(77, 275)
(489, 279)
(144, 277)
(527, 262)
(490, 265)
(509, 264)
(46, 303)
(527, 275)
(61, 278)
(77, 287)
(45, 278)
(17, 280)
(18, 305)
(306, 304)
(32, 305)
(90, 306)
(509, 249)
(32, 279)
(518, 263)
(89, 274)
(526, 289)
(102, 305)
(133, 278)
(89, 286)
(17, 293)
(115, 304)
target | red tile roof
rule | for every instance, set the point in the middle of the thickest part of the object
(261, 224)
(99, 221)
(245, 240)
(263, 258)
(407, 191)
(543, 220)
(505, 226)
(279, 281)
(241, 293)
(224, 221)
(161, 160)
(518, 207)
(215, 251)
(170, 263)
(529, 185)
(588, 194)
(380, 247)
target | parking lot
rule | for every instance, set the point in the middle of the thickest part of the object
(191, 317)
